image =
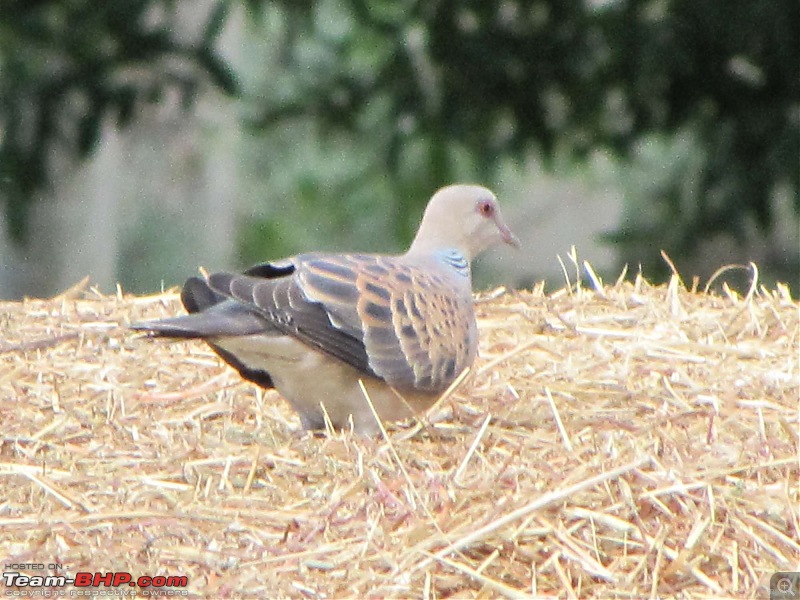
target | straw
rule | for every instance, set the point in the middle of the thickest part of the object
(624, 440)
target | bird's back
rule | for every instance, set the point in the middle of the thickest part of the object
(413, 315)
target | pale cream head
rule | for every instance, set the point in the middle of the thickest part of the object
(462, 217)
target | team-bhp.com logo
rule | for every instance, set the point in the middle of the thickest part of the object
(20, 585)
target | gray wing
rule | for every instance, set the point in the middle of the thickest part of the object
(416, 324)
(281, 302)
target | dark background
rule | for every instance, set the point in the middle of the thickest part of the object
(233, 131)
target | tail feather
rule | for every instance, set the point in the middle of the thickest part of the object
(197, 296)
(211, 315)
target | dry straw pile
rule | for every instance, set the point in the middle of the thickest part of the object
(612, 441)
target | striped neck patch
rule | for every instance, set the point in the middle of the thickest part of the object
(454, 259)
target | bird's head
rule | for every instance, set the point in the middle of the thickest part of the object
(464, 217)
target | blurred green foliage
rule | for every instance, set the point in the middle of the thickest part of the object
(440, 90)
(66, 65)
(428, 81)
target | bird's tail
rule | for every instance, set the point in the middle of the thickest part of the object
(211, 315)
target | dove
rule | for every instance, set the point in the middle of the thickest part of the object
(315, 325)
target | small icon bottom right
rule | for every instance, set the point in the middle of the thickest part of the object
(784, 585)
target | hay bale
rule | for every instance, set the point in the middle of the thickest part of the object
(627, 440)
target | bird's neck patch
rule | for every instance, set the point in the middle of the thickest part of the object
(455, 260)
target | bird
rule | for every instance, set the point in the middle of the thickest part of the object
(314, 325)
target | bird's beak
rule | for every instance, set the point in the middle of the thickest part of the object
(507, 235)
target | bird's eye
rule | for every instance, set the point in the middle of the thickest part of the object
(486, 208)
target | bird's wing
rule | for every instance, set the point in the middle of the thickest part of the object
(408, 325)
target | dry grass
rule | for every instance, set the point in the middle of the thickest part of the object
(612, 441)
